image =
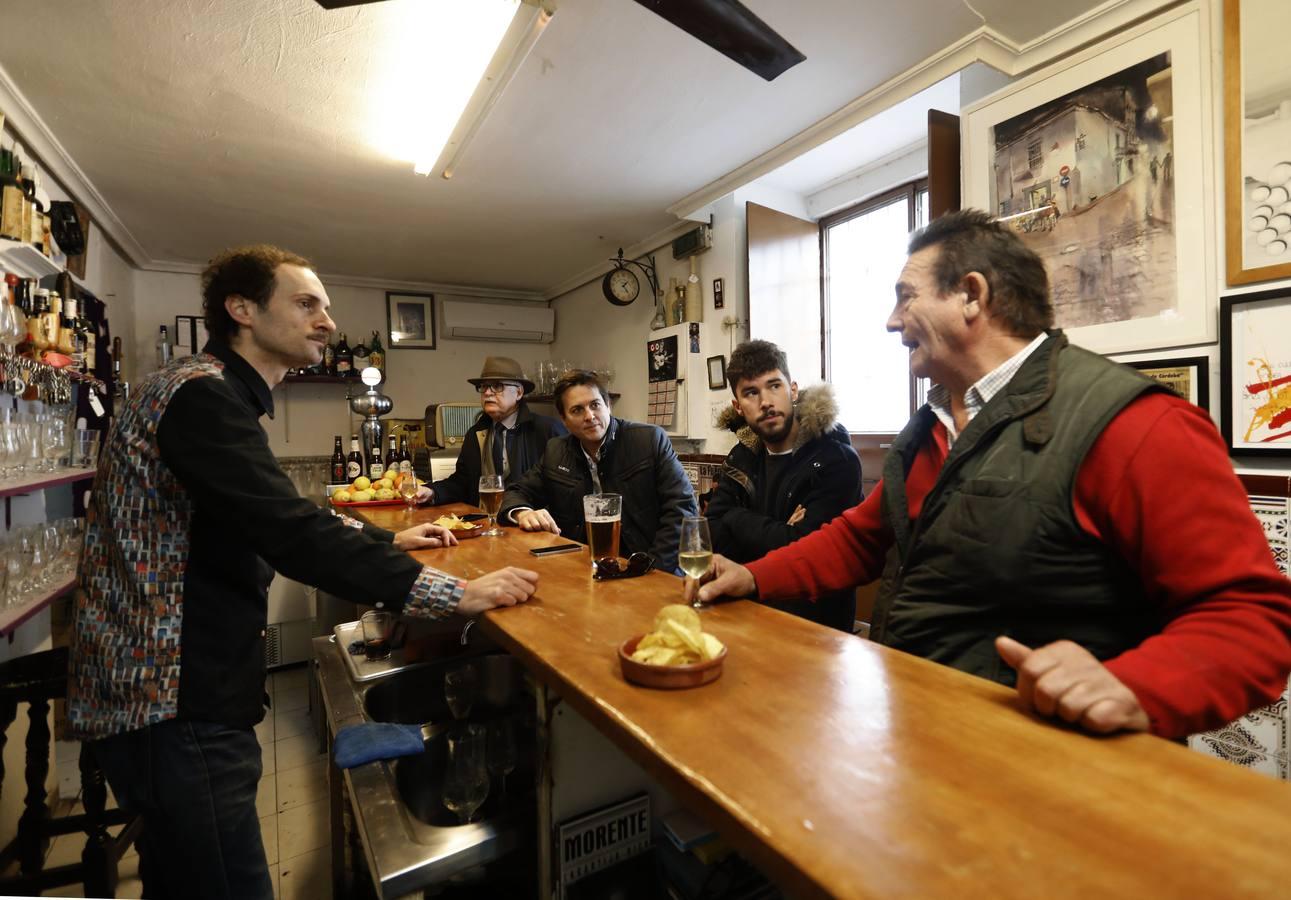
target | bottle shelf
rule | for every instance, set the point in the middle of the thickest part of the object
(320, 379)
(25, 261)
(33, 483)
(14, 616)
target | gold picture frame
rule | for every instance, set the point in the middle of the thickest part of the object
(1256, 78)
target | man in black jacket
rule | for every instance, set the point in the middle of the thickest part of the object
(604, 454)
(505, 440)
(793, 470)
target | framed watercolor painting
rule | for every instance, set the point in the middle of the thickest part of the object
(1098, 161)
(410, 321)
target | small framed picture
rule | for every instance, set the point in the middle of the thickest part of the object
(410, 321)
(716, 373)
(719, 298)
(1255, 372)
(190, 335)
(1187, 376)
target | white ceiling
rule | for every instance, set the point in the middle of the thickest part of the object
(204, 123)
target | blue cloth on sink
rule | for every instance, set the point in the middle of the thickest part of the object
(355, 745)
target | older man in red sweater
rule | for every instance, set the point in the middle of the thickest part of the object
(1050, 520)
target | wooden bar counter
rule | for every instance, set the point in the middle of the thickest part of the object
(845, 769)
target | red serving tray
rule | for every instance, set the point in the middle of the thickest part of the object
(369, 504)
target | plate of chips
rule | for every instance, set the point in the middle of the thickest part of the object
(677, 653)
(460, 528)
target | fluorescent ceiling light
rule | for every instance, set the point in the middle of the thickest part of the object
(448, 62)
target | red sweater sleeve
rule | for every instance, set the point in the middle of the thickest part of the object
(1157, 486)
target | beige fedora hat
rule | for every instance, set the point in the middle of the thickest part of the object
(502, 368)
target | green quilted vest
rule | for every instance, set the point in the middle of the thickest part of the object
(997, 548)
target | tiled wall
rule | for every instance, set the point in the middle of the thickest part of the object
(1259, 740)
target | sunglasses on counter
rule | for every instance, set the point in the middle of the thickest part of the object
(609, 567)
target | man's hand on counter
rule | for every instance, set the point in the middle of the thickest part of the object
(424, 537)
(425, 495)
(1065, 680)
(724, 578)
(535, 520)
(505, 587)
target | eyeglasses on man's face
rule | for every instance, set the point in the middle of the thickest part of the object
(495, 387)
(609, 567)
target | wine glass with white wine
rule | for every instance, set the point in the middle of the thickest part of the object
(695, 554)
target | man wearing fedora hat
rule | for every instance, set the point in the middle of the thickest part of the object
(506, 439)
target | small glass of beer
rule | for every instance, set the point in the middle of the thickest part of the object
(491, 491)
(603, 514)
(695, 553)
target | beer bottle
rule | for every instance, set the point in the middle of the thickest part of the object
(392, 458)
(405, 458)
(376, 466)
(338, 462)
(354, 463)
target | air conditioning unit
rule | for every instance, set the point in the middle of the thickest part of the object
(492, 322)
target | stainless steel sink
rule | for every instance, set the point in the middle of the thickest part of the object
(410, 839)
(416, 696)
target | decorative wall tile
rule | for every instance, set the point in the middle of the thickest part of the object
(1274, 516)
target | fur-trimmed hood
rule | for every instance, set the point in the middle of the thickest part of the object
(816, 411)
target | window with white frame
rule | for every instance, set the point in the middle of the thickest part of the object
(864, 249)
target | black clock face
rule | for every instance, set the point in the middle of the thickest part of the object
(621, 286)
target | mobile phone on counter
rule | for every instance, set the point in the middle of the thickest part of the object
(555, 549)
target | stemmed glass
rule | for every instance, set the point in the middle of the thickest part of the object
(502, 754)
(54, 441)
(466, 781)
(695, 554)
(491, 489)
(408, 490)
(459, 690)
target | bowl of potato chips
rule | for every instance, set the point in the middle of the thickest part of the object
(676, 653)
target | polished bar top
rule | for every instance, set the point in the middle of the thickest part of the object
(846, 769)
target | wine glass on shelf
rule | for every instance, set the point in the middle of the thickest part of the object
(491, 490)
(695, 553)
(459, 690)
(466, 780)
(501, 754)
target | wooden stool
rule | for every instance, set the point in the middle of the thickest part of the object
(37, 679)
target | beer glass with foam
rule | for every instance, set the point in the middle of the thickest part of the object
(603, 515)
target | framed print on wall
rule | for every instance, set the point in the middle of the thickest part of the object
(1257, 140)
(1187, 376)
(1107, 151)
(410, 321)
(1255, 372)
(716, 373)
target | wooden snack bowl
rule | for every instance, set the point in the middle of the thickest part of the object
(668, 677)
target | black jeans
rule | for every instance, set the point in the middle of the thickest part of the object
(195, 785)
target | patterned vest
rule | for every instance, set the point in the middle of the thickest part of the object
(129, 614)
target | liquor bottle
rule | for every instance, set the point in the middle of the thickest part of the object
(37, 339)
(12, 199)
(361, 362)
(165, 351)
(119, 388)
(51, 321)
(377, 353)
(405, 458)
(89, 339)
(329, 358)
(67, 337)
(344, 359)
(354, 463)
(392, 458)
(338, 462)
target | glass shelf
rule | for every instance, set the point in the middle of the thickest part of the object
(32, 483)
(14, 616)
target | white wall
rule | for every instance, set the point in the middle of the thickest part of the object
(307, 416)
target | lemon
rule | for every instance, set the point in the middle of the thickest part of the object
(385, 484)
(385, 494)
(362, 483)
(342, 496)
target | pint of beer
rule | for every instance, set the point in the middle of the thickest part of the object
(603, 514)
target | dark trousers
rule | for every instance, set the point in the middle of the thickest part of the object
(194, 784)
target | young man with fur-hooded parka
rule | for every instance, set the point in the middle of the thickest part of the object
(792, 471)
